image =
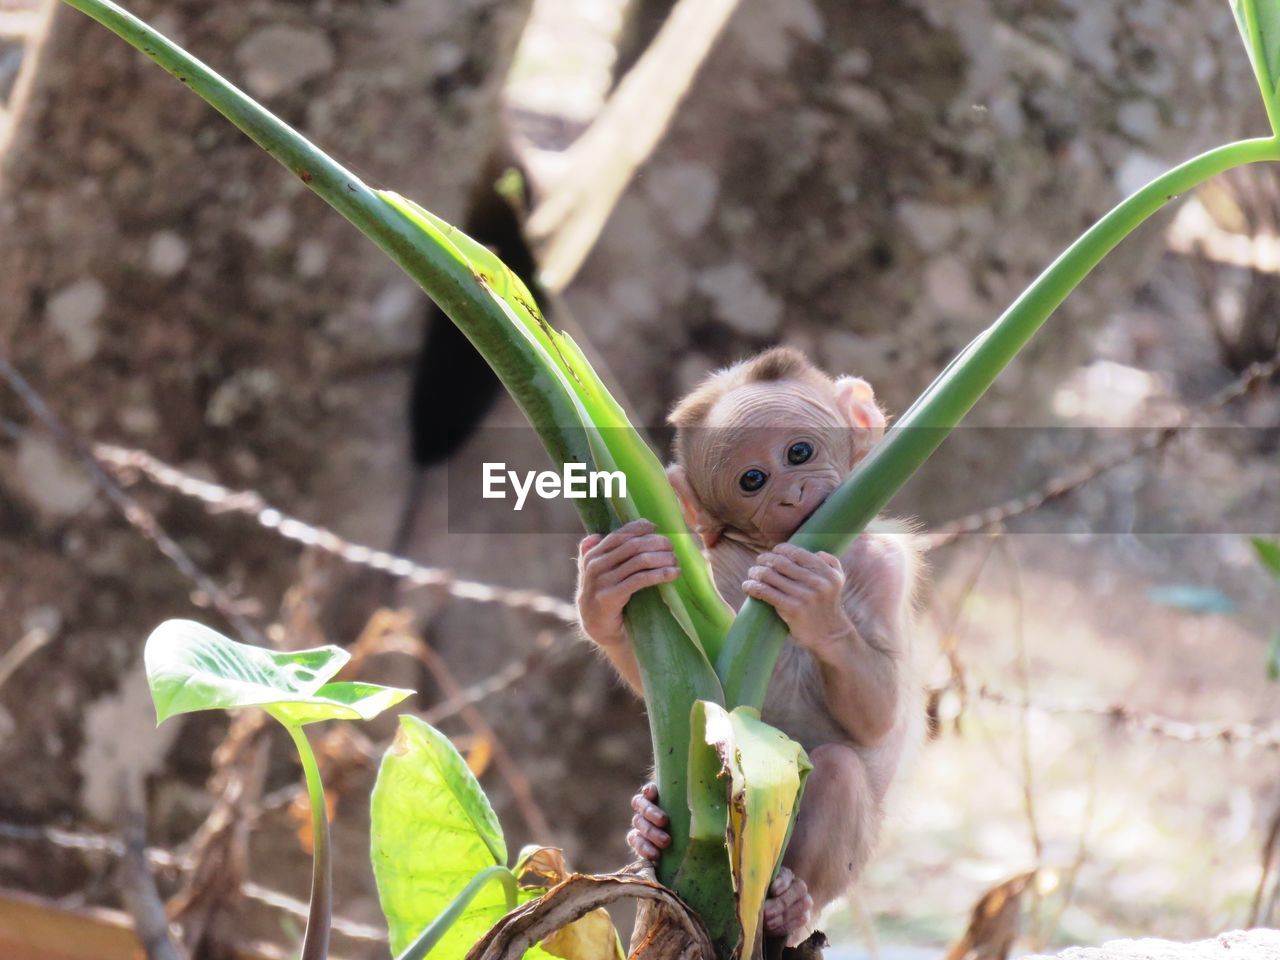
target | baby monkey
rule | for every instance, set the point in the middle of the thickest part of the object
(758, 447)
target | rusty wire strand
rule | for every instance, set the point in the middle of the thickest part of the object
(251, 504)
(113, 846)
(1126, 717)
(1071, 480)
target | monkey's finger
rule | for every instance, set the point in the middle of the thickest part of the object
(649, 810)
(659, 838)
(815, 569)
(603, 558)
(795, 590)
(831, 560)
(770, 595)
(775, 918)
(793, 897)
(649, 560)
(642, 847)
(799, 914)
(790, 570)
(636, 528)
(650, 791)
(589, 541)
(781, 882)
(638, 581)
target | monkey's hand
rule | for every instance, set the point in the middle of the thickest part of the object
(807, 591)
(646, 837)
(611, 569)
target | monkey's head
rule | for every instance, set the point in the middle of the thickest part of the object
(761, 444)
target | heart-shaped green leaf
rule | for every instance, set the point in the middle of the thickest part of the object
(432, 830)
(1268, 552)
(191, 667)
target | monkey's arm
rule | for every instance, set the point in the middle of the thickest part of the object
(623, 659)
(860, 669)
(864, 673)
(861, 680)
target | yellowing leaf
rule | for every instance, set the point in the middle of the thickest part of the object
(592, 937)
(765, 772)
(540, 866)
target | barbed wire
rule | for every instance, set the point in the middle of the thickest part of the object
(1072, 480)
(113, 846)
(1122, 715)
(251, 504)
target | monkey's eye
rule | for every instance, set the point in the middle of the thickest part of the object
(800, 452)
(752, 480)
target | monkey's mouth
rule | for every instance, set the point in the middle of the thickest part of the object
(808, 510)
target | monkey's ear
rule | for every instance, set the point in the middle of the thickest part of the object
(694, 515)
(856, 401)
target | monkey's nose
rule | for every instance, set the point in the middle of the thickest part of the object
(794, 495)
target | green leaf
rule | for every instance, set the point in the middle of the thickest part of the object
(765, 772)
(1193, 598)
(190, 667)
(339, 701)
(432, 831)
(1273, 658)
(1259, 23)
(1268, 552)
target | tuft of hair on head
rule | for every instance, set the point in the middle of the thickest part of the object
(774, 364)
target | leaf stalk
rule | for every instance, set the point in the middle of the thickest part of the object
(450, 914)
(315, 944)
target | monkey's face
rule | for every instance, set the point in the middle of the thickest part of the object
(773, 453)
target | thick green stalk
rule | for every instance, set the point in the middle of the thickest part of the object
(755, 639)
(315, 944)
(441, 924)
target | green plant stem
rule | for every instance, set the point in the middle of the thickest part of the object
(450, 914)
(756, 637)
(315, 944)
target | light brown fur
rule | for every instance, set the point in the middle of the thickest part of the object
(845, 683)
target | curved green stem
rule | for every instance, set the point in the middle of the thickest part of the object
(750, 651)
(450, 914)
(315, 945)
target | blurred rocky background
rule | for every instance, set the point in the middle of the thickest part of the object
(872, 183)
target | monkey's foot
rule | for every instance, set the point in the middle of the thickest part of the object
(789, 908)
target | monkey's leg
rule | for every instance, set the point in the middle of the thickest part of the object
(836, 826)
